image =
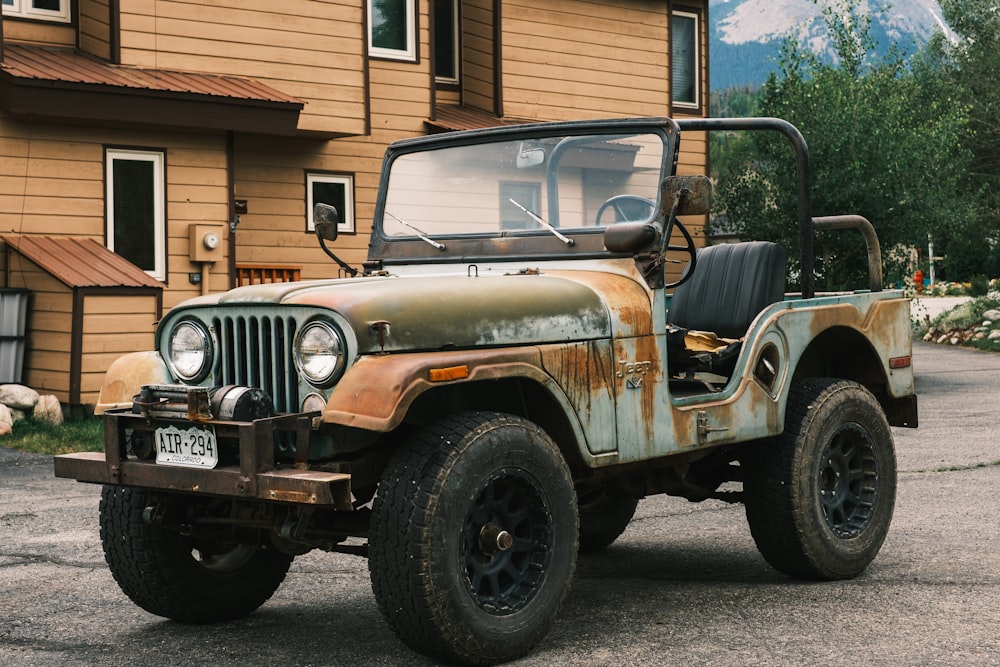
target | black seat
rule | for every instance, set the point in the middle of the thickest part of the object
(731, 284)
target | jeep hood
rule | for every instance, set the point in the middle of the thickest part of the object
(459, 311)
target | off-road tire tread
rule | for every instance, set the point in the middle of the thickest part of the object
(599, 529)
(410, 484)
(155, 569)
(774, 515)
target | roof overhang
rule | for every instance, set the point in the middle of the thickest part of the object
(65, 84)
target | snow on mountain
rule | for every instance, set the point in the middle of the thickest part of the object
(746, 34)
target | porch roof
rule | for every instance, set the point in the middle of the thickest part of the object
(79, 262)
(65, 83)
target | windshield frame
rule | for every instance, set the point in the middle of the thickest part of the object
(540, 243)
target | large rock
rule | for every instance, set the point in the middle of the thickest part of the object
(48, 409)
(992, 315)
(6, 420)
(18, 396)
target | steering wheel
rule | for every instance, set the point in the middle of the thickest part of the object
(688, 248)
(623, 204)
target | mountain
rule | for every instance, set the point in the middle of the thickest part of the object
(746, 35)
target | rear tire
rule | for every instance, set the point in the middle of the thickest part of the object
(604, 516)
(473, 538)
(167, 574)
(819, 498)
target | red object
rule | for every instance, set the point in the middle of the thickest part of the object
(918, 279)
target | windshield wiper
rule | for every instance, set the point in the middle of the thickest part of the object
(543, 223)
(423, 237)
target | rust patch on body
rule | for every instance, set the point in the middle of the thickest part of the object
(376, 391)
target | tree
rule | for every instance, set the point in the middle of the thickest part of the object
(881, 146)
(968, 68)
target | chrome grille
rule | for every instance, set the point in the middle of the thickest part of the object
(256, 351)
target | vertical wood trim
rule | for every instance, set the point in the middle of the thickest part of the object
(231, 192)
(76, 347)
(432, 58)
(366, 67)
(498, 58)
(115, 31)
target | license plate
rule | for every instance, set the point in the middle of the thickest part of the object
(194, 447)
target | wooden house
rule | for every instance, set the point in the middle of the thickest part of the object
(191, 137)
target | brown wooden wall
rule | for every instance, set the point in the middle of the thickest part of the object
(478, 51)
(52, 182)
(113, 325)
(312, 50)
(95, 28)
(49, 328)
(565, 59)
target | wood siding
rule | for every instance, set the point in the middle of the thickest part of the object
(38, 32)
(312, 50)
(112, 326)
(52, 182)
(566, 59)
(478, 52)
(95, 28)
(49, 328)
(270, 172)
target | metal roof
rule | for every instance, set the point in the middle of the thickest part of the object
(62, 65)
(449, 117)
(80, 262)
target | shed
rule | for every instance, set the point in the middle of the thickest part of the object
(88, 306)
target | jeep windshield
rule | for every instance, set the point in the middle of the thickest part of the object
(535, 190)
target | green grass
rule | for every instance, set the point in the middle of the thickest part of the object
(76, 434)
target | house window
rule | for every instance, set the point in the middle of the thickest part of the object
(337, 190)
(392, 29)
(527, 195)
(135, 208)
(685, 59)
(49, 10)
(446, 41)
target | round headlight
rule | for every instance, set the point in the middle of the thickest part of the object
(319, 353)
(190, 351)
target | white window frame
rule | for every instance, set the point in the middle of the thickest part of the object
(23, 9)
(157, 158)
(410, 52)
(346, 217)
(696, 75)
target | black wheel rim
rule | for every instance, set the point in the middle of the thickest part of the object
(848, 481)
(507, 542)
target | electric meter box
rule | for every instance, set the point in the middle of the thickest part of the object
(206, 242)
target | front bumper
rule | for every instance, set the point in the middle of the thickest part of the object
(257, 476)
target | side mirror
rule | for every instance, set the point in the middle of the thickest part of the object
(327, 220)
(695, 195)
(529, 157)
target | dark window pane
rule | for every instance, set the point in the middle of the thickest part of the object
(134, 209)
(334, 194)
(389, 29)
(683, 59)
(444, 39)
(51, 5)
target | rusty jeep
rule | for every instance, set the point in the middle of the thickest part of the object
(535, 343)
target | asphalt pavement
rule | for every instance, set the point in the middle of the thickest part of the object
(683, 586)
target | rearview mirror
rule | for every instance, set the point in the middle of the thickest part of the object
(529, 157)
(327, 221)
(695, 194)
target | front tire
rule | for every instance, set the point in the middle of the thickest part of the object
(473, 538)
(169, 575)
(819, 498)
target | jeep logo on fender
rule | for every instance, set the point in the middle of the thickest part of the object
(634, 371)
